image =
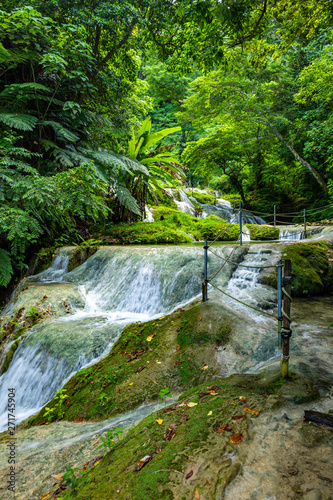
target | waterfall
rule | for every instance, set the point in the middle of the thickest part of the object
(114, 287)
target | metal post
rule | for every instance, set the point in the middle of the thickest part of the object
(205, 283)
(240, 222)
(279, 288)
(286, 331)
(274, 215)
(304, 223)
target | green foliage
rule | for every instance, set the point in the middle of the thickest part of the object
(164, 393)
(113, 435)
(57, 411)
(263, 232)
(6, 269)
(204, 198)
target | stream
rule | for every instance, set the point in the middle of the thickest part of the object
(92, 304)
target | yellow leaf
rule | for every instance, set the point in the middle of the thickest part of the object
(204, 367)
(93, 444)
(96, 464)
(190, 405)
(159, 421)
(150, 338)
(162, 318)
(44, 496)
(58, 476)
(131, 383)
(209, 413)
(158, 362)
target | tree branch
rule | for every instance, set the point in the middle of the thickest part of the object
(251, 35)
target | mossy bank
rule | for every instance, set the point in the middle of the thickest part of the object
(176, 351)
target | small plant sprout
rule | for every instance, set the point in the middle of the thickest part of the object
(164, 393)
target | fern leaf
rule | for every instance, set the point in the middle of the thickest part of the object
(19, 121)
(6, 269)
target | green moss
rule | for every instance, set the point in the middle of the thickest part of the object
(232, 197)
(79, 255)
(194, 443)
(10, 354)
(170, 226)
(163, 198)
(170, 351)
(310, 268)
(204, 198)
(263, 232)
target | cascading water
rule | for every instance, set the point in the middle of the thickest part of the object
(92, 304)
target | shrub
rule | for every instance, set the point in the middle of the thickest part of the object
(263, 232)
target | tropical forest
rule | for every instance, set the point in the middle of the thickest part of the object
(166, 249)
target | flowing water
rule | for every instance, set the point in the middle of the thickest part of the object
(91, 306)
(121, 285)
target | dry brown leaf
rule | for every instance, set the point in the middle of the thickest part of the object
(79, 419)
(143, 461)
(243, 399)
(236, 438)
(58, 476)
(196, 495)
(237, 417)
(204, 367)
(178, 347)
(189, 474)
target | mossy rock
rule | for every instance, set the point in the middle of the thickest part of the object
(163, 199)
(10, 353)
(204, 198)
(311, 269)
(263, 232)
(79, 255)
(313, 436)
(185, 452)
(299, 391)
(178, 347)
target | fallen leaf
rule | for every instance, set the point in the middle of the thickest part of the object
(243, 399)
(177, 329)
(184, 418)
(150, 338)
(204, 367)
(190, 367)
(209, 413)
(155, 382)
(213, 388)
(96, 463)
(190, 405)
(236, 438)
(162, 318)
(178, 347)
(188, 359)
(177, 363)
(159, 421)
(237, 417)
(234, 404)
(143, 461)
(200, 319)
(93, 444)
(265, 394)
(45, 496)
(79, 419)
(196, 495)
(189, 474)
(219, 430)
(58, 476)
(158, 362)
(131, 383)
